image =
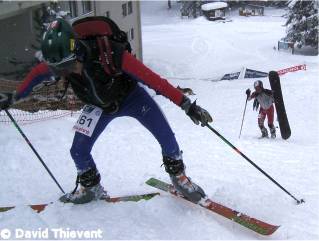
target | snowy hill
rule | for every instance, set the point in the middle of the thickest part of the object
(188, 52)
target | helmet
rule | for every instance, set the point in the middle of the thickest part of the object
(58, 44)
(258, 83)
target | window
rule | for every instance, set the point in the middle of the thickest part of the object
(86, 6)
(129, 7)
(132, 33)
(73, 9)
(124, 10)
(107, 14)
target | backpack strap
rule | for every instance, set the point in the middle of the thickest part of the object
(106, 55)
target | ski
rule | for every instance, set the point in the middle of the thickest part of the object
(130, 198)
(238, 217)
(274, 81)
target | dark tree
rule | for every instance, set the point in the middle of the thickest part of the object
(278, 3)
(191, 8)
(302, 23)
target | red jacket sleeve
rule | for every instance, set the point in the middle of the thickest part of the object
(137, 70)
(36, 76)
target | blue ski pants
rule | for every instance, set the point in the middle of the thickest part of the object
(139, 105)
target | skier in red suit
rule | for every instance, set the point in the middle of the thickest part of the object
(265, 99)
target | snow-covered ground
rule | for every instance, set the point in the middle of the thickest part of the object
(187, 52)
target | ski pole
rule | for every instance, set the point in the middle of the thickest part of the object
(242, 122)
(35, 152)
(251, 162)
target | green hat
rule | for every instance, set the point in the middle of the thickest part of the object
(58, 44)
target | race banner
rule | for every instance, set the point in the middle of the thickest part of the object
(250, 73)
(231, 76)
(292, 69)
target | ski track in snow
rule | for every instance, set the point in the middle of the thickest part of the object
(127, 155)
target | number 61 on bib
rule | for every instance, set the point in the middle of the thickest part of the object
(88, 120)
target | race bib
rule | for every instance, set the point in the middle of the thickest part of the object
(88, 120)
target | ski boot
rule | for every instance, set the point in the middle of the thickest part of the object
(272, 129)
(90, 188)
(264, 132)
(182, 183)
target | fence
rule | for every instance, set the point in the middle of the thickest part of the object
(50, 102)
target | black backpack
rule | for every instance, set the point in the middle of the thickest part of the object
(100, 45)
(104, 41)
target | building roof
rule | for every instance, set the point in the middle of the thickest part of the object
(214, 6)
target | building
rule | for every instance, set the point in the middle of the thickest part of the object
(214, 10)
(251, 10)
(125, 13)
(19, 40)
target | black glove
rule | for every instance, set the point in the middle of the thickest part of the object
(195, 112)
(6, 99)
(248, 92)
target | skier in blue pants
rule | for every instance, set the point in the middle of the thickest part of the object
(94, 57)
(139, 105)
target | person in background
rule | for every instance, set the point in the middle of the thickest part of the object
(264, 98)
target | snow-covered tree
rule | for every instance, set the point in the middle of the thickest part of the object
(277, 3)
(302, 23)
(191, 8)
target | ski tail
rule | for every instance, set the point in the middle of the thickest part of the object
(129, 198)
(36, 207)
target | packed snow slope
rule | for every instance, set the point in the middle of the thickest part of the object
(189, 53)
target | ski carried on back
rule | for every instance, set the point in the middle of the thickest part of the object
(130, 198)
(238, 217)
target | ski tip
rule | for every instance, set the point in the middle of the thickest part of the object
(266, 231)
(272, 230)
(273, 73)
(273, 76)
(255, 225)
